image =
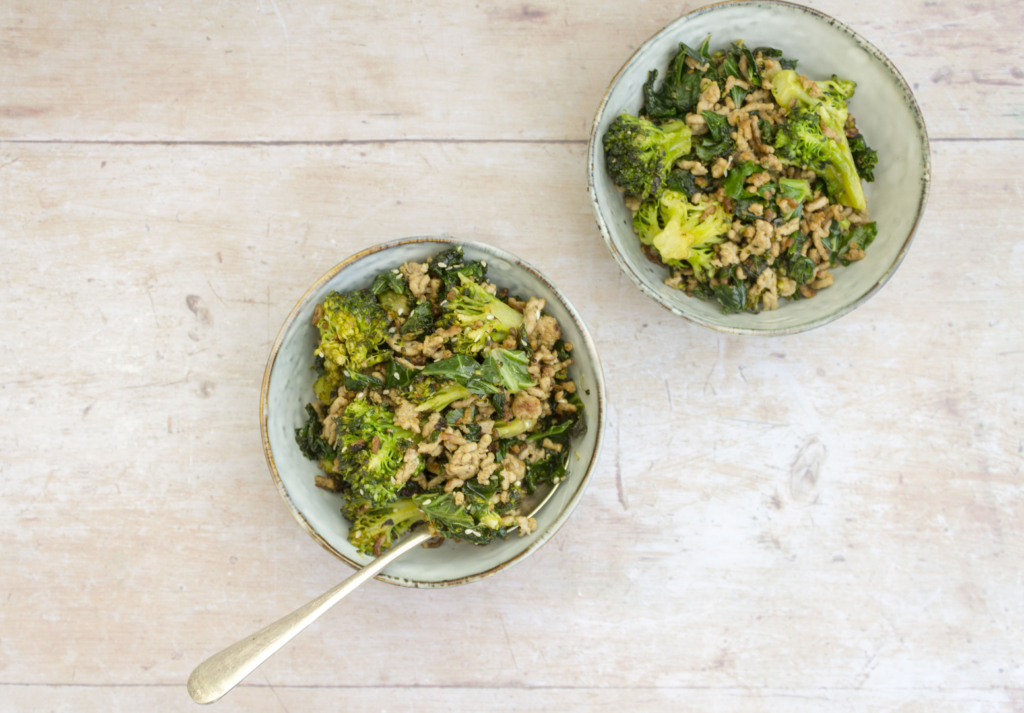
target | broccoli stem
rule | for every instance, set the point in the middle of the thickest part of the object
(514, 427)
(443, 397)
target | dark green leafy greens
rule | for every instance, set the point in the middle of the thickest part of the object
(376, 434)
(817, 152)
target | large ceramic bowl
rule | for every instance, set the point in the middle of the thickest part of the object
(886, 113)
(287, 388)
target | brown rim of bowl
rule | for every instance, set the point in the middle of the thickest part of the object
(925, 179)
(599, 425)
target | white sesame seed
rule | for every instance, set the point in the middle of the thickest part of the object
(484, 263)
(395, 271)
(442, 264)
(427, 502)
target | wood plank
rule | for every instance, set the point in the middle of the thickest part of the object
(308, 71)
(140, 530)
(264, 698)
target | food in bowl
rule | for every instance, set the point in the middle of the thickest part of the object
(441, 400)
(744, 177)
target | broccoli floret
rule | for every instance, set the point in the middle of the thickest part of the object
(434, 394)
(508, 429)
(376, 527)
(645, 222)
(475, 337)
(370, 450)
(685, 233)
(814, 134)
(330, 378)
(640, 155)
(395, 305)
(484, 318)
(352, 329)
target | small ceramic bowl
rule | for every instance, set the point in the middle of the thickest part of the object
(288, 387)
(886, 114)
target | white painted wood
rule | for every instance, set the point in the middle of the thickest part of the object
(274, 70)
(831, 520)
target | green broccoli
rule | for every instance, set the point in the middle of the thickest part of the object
(814, 134)
(352, 328)
(684, 231)
(484, 318)
(646, 223)
(329, 377)
(376, 527)
(508, 429)
(432, 394)
(396, 305)
(370, 450)
(640, 155)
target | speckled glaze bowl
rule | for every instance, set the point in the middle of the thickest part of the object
(287, 388)
(886, 113)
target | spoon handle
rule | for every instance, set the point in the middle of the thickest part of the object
(224, 670)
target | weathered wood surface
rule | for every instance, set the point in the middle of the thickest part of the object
(272, 70)
(830, 520)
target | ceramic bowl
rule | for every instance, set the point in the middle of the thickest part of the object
(886, 114)
(287, 388)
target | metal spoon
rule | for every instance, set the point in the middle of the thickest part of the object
(224, 670)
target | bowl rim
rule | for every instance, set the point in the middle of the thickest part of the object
(599, 388)
(674, 26)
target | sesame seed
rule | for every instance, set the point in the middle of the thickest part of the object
(427, 502)
(484, 263)
(442, 264)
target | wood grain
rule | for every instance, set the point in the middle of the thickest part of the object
(826, 521)
(271, 70)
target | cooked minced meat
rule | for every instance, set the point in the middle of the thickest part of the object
(756, 194)
(442, 397)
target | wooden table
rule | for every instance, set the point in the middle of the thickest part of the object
(827, 521)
